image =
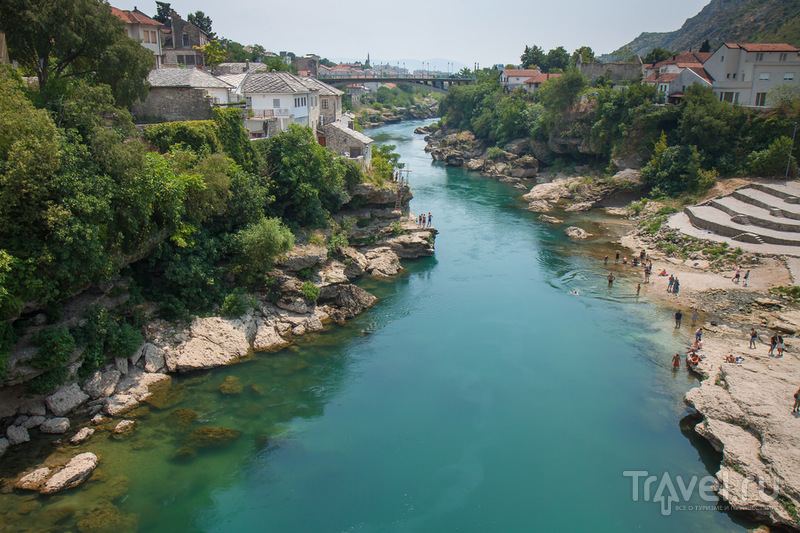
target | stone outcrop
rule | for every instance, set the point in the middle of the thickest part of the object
(303, 256)
(33, 480)
(412, 245)
(580, 193)
(574, 232)
(382, 262)
(211, 342)
(17, 435)
(82, 435)
(73, 474)
(55, 426)
(550, 220)
(102, 384)
(65, 399)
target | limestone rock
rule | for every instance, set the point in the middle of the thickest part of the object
(551, 192)
(574, 232)
(82, 435)
(33, 421)
(374, 195)
(65, 399)
(539, 206)
(349, 300)
(134, 388)
(102, 384)
(412, 245)
(354, 261)
(122, 364)
(138, 354)
(98, 419)
(551, 220)
(33, 406)
(295, 305)
(55, 426)
(475, 164)
(267, 338)
(518, 146)
(34, 480)
(17, 435)
(303, 256)
(182, 417)
(382, 262)
(108, 518)
(124, 429)
(73, 474)
(231, 386)
(579, 206)
(153, 358)
(212, 342)
(332, 272)
(120, 403)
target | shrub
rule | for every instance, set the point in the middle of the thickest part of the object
(56, 346)
(264, 241)
(667, 210)
(494, 152)
(236, 304)
(197, 135)
(309, 291)
(397, 229)
(771, 161)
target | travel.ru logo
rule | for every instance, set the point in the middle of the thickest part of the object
(673, 493)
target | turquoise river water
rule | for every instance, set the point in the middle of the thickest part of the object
(479, 394)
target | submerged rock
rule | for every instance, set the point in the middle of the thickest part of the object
(108, 518)
(210, 437)
(231, 386)
(576, 233)
(82, 435)
(33, 480)
(185, 453)
(17, 435)
(124, 429)
(551, 220)
(73, 474)
(182, 417)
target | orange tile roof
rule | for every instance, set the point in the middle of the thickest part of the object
(661, 78)
(134, 17)
(763, 47)
(541, 77)
(700, 71)
(518, 73)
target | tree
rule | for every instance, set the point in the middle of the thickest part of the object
(56, 40)
(124, 67)
(657, 55)
(257, 52)
(557, 60)
(705, 47)
(532, 57)
(559, 93)
(213, 53)
(263, 241)
(164, 12)
(783, 95)
(585, 53)
(202, 21)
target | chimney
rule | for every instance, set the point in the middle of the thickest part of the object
(246, 65)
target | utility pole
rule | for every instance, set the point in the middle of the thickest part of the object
(789, 159)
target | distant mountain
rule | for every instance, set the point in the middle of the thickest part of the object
(724, 21)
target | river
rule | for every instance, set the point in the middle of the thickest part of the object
(479, 394)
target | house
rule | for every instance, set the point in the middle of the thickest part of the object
(673, 75)
(527, 78)
(276, 99)
(330, 100)
(355, 91)
(142, 28)
(308, 64)
(180, 42)
(238, 68)
(745, 73)
(182, 94)
(532, 84)
(342, 138)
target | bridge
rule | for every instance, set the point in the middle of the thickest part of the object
(441, 84)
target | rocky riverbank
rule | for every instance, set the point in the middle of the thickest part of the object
(745, 407)
(370, 117)
(106, 404)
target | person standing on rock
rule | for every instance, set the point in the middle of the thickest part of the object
(753, 337)
(671, 283)
(746, 277)
(773, 341)
(780, 346)
(678, 317)
(694, 317)
(698, 335)
(796, 408)
(736, 274)
(617, 259)
(611, 279)
(430, 219)
(423, 221)
(676, 286)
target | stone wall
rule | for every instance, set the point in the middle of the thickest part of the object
(340, 141)
(174, 103)
(616, 71)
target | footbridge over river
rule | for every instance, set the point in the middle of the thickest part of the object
(441, 84)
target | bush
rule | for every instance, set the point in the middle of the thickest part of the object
(667, 210)
(309, 291)
(397, 229)
(56, 346)
(236, 304)
(771, 162)
(200, 136)
(494, 152)
(261, 243)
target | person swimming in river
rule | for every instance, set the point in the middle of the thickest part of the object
(611, 279)
(676, 361)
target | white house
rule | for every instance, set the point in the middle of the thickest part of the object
(673, 75)
(330, 100)
(276, 99)
(512, 78)
(142, 28)
(745, 73)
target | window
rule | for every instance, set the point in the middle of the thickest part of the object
(788, 76)
(729, 75)
(185, 39)
(324, 104)
(761, 99)
(783, 56)
(729, 97)
(276, 103)
(153, 37)
(764, 76)
(722, 59)
(300, 101)
(189, 60)
(181, 60)
(248, 101)
(355, 151)
(146, 37)
(734, 75)
(759, 57)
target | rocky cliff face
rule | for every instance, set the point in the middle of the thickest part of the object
(729, 20)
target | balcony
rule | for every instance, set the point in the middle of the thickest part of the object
(268, 113)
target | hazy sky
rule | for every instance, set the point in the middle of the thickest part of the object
(486, 31)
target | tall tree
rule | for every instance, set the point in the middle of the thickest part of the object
(202, 21)
(657, 54)
(532, 57)
(163, 13)
(557, 59)
(56, 40)
(585, 53)
(705, 47)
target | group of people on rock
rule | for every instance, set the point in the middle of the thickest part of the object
(425, 221)
(737, 276)
(674, 284)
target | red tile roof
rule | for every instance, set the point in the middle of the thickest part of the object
(660, 78)
(541, 77)
(700, 71)
(134, 17)
(685, 60)
(522, 72)
(763, 47)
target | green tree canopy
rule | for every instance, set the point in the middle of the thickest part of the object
(557, 60)
(163, 12)
(586, 55)
(202, 21)
(657, 54)
(533, 57)
(705, 47)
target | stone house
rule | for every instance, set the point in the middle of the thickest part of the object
(341, 138)
(309, 63)
(276, 99)
(142, 28)
(182, 94)
(330, 100)
(616, 72)
(179, 39)
(355, 91)
(745, 73)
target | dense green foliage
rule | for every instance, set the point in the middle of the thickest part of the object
(309, 291)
